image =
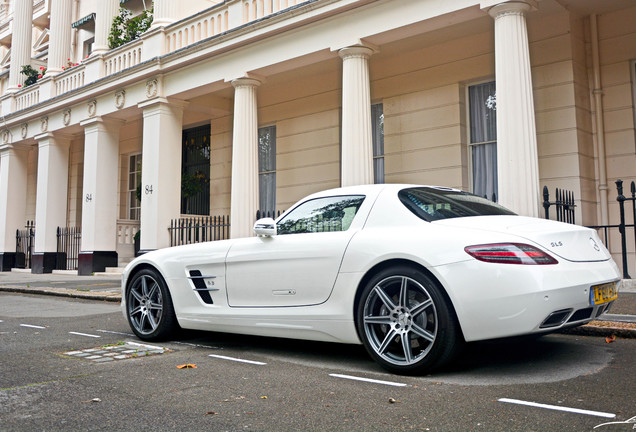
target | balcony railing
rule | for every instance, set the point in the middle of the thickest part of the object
(126, 56)
(70, 80)
(186, 32)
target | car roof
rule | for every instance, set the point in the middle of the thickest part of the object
(373, 189)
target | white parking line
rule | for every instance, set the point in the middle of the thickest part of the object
(114, 332)
(238, 360)
(558, 408)
(31, 326)
(84, 334)
(144, 345)
(369, 380)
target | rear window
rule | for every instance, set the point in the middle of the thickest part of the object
(433, 204)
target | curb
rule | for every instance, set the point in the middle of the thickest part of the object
(592, 329)
(114, 297)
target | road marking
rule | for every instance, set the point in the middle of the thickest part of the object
(31, 326)
(114, 332)
(238, 360)
(145, 346)
(85, 334)
(558, 408)
(369, 380)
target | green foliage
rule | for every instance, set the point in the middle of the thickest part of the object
(126, 28)
(192, 184)
(31, 74)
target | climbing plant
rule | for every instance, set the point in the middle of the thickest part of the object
(126, 28)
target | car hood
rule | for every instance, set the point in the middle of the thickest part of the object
(567, 241)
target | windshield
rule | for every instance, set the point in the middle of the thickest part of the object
(433, 204)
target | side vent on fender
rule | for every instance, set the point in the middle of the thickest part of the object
(199, 286)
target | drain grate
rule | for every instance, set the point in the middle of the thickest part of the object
(122, 351)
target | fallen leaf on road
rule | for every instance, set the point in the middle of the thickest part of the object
(211, 413)
(610, 339)
(263, 397)
(187, 366)
(92, 400)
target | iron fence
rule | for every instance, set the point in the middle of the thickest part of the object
(69, 240)
(24, 242)
(198, 229)
(622, 226)
(267, 214)
(564, 204)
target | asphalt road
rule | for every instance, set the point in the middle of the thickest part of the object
(49, 381)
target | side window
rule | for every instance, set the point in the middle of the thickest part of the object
(321, 215)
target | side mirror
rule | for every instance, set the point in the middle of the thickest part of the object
(265, 227)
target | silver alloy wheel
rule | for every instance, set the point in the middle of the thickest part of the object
(145, 304)
(400, 320)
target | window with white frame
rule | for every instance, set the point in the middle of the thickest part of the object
(482, 102)
(267, 170)
(377, 125)
(134, 186)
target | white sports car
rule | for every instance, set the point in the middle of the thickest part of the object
(409, 271)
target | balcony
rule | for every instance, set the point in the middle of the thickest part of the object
(206, 25)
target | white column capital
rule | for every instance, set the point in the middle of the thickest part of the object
(515, 7)
(247, 81)
(357, 51)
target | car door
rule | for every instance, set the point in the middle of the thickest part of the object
(299, 265)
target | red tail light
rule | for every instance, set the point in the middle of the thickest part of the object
(510, 253)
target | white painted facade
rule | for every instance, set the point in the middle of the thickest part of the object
(564, 106)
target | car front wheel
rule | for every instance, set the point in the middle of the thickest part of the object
(405, 322)
(149, 306)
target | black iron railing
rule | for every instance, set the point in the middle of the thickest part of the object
(564, 204)
(199, 229)
(24, 242)
(69, 241)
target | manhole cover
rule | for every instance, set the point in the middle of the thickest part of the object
(120, 351)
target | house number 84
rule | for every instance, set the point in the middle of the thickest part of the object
(148, 189)
(89, 197)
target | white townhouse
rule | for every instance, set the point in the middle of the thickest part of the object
(229, 107)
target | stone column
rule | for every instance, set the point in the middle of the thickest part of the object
(60, 37)
(50, 206)
(160, 171)
(244, 199)
(21, 41)
(357, 144)
(517, 160)
(13, 192)
(165, 12)
(106, 11)
(99, 201)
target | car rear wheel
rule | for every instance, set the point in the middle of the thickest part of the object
(149, 307)
(405, 321)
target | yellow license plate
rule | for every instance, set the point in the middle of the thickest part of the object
(600, 294)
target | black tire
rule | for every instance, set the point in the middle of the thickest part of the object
(149, 306)
(405, 322)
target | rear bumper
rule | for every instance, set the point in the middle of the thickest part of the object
(501, 300)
